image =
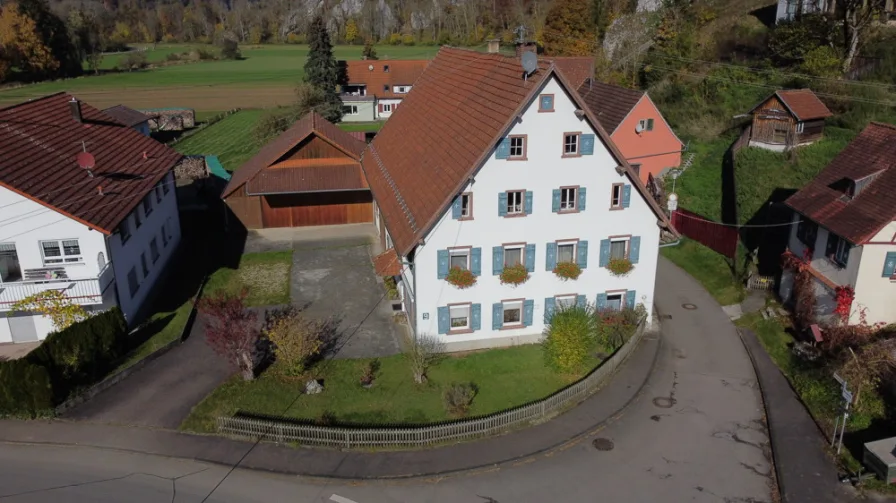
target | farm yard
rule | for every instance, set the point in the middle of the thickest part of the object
(264, 78)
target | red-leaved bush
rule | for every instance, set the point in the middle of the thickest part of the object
(231, 330)
(844, 297)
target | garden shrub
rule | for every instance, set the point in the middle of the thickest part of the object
(615, 327)
(570, 337)
(135, 60)
(514, 275)
(297, 339)
(25, 389)
(458, 398)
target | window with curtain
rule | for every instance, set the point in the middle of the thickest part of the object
(566, 252)
(617, 249)
(9, 263)
(513, 256)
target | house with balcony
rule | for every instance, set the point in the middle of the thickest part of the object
(488, 168)
(87, 208)
(373, 89)
(844, 225)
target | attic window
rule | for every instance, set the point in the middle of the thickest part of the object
(386, 68)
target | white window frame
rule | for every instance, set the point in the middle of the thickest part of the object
(459, 252)
(645, 125)
(800, 127)
(566, 191)
(627, 242)
(621, 301)
(401, 89)
(387, 108)
(352, 109)
(521, 147)
(843, 246)
(616, 202)
(466, 210)
(463, 311)
(575, 249)
(571, 148)
(560, 300)
(511, 306)
(63, 258)
(520, 207)
(521, 248)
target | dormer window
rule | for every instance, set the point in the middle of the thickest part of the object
(386, 68)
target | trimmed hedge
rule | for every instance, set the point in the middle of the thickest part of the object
(25, 388)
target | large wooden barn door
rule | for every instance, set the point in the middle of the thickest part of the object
(327, 208)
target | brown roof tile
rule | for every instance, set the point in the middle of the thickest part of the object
(329, 177)
(387, 263)
(871, 153)
(311, 123)
(459, 109)
(39, 144)
(127, 116)
(402, 72)
(576, 69)
(802, 103)
(610, 104)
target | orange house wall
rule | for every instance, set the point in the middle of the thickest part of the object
(653, 150)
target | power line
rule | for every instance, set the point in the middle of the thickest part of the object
(739, 226)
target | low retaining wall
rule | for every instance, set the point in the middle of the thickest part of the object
(423, 436)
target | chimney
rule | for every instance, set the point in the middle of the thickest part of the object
(528, 46)
(75, 107)
(494, 46)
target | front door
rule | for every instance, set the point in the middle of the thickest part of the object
(22, 328)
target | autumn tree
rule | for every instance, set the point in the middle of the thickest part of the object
(297, 339)
(231, 330)
(569, 29)
(351, 31)
(857, 16)
(55, 36)
(321, 70)
(54, 305)
(21, 45)
(87, 28)
(369, 51)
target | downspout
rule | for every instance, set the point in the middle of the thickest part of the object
(414, 325)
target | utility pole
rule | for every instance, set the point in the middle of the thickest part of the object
(520, 34)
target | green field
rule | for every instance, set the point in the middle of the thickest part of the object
(265, 77)
(230, 139)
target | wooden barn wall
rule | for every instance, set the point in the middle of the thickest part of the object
(314, 148)
(246, 208)
(812, 130)
(326, 208)
(766, 120)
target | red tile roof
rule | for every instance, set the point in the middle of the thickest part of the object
(127, 116)
(402, 72)
(387, 263)
(871, 154)
(802, 103)
(461, 106)
(610, 104)
(40, 141)
(311, 123)
(576, 69)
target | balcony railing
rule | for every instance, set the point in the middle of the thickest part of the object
(81, 290)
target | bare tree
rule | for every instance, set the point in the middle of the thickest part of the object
(422, 353)
(857, 16)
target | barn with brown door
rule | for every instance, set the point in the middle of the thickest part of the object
(309, 175)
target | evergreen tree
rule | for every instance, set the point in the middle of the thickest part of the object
(55, 36)
(569, 29)
(369, 51)
(321, 70)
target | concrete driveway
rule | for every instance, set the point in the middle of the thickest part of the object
(333, 277)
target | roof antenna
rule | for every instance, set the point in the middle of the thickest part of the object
(530, 63)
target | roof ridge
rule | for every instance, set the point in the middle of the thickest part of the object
(883, 124)
(33, 100)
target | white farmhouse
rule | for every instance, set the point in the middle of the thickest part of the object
(100, 227)
(486, 167)
(844, 224)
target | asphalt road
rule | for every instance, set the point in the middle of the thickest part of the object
(695, 434)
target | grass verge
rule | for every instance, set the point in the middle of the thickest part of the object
(711, 269)
(505, 378)
(264, 275)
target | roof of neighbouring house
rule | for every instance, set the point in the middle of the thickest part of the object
(387, 263)
(802, 103)
(461, 106)
(869, 158)
(127, 116)
(373, 74)
(576, 69)
(311, 124)
(39, 144)
(610, 104)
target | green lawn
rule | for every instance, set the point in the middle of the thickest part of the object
(362, 126)
(230, 139)
(157, 55)
(699, 188)
(709, 268)
(264, 275)
(505, 377)
(160, 329)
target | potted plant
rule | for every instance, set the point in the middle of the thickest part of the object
(368, 373)
(514, 275)
(620, 266)
(461, 278)
(567, 270)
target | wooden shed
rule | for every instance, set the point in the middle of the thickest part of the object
(788, 119)
(309, 175)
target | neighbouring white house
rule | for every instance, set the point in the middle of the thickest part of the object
(845, 224)
(789, 10)
(87, 207)
(485, 167)
(373, 89)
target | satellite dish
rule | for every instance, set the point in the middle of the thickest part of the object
(86, 160)
(529, 61)
(370, 67)
(639, 128)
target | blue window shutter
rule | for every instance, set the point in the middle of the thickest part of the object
(549, 303)
(634, 250)
(630, 299)
(497, 315)
(587, 144)
(582, 199)
(443, 320)
(604, 252)
(497, 260)
(443, 263)
(582, 254)
(502, 204)
(580, 300)
(555, 201)
(528, 203)
(626, 195)
(456, 208)
(476, 317)
(890, 264)
(476, 261)
(601, 303)
(551, 257)
(530, 258)
(528, 311)
(503, 151)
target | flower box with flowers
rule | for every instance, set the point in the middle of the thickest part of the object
(620, 266)
(514, 275)
(461, 278)
(567, 270)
